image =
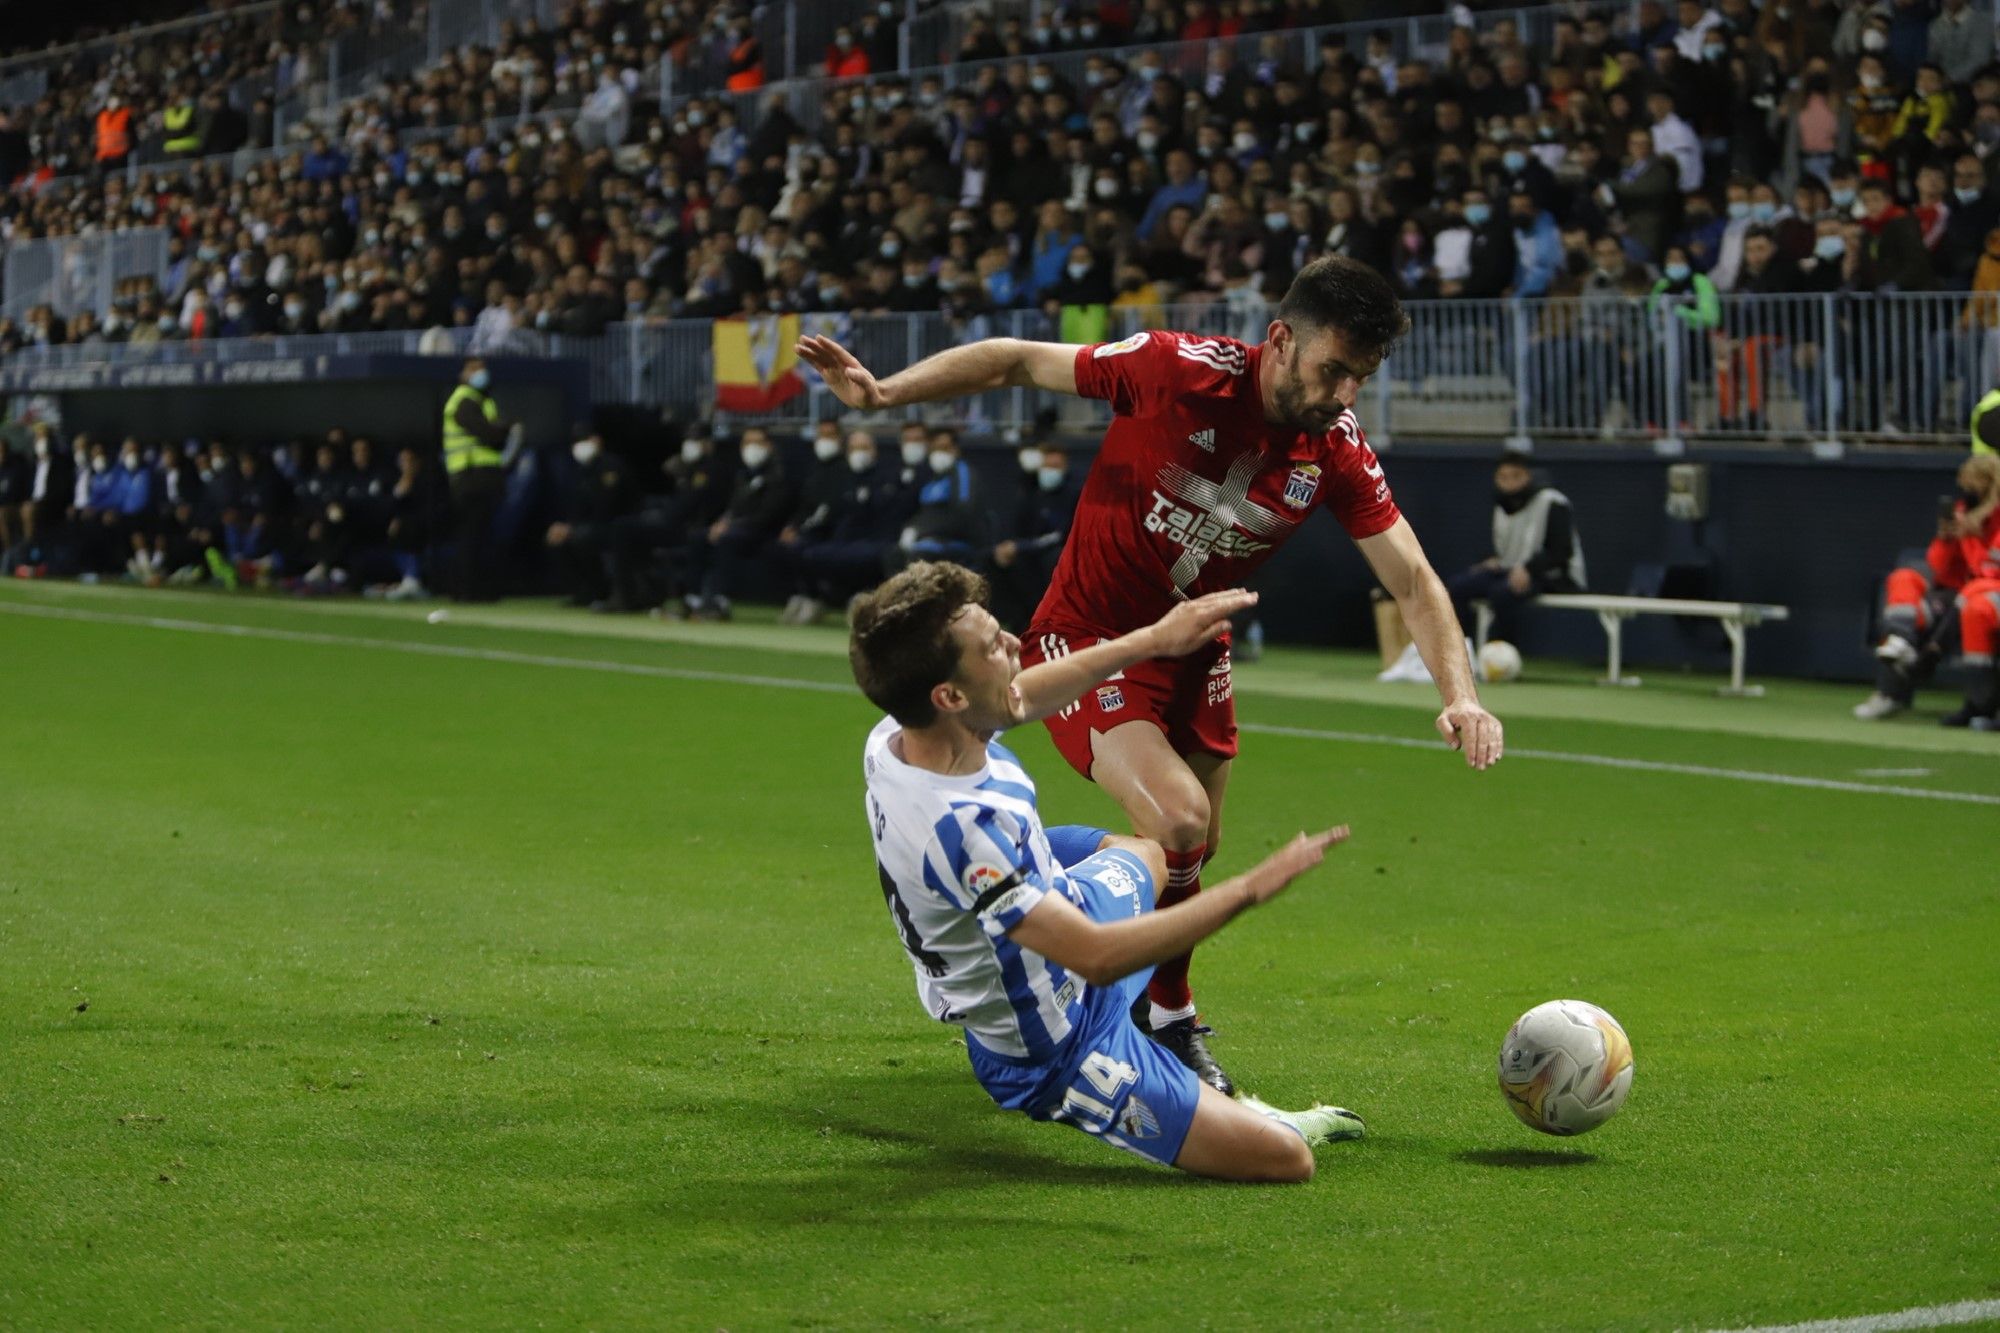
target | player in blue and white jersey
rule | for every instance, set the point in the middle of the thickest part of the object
(1037, 941)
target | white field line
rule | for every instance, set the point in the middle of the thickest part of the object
(830, 687)
(1926, 1316)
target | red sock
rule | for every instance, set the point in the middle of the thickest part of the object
(1169, 986)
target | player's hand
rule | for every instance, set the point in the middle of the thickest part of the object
(1474, 732)
(1269, 877)
(1191, 624)
(849, 380)
(1518, 581)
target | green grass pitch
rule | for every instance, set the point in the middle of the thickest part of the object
(512, 980)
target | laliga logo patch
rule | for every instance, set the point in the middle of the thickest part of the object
(981, 876)
(1110, 698)
(1119, 348)
(1302, 485)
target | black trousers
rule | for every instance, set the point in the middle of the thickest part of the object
(475, 498)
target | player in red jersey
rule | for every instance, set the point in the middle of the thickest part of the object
(1216, 453)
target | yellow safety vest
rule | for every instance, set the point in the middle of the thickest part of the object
(461, 448)
(179, 124)
(1986, 404)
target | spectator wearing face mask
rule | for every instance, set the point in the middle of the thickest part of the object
(1021, 564)
(1081, 298)
(1536, 549)
(948, 523)
(717, 556)
(861, 535)
(593, 498)
(827, 479)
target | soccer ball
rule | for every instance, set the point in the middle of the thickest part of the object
(1565, 1067)
(1499, 660)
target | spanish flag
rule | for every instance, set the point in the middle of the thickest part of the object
(756, 368)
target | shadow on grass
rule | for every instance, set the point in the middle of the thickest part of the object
(1522, 1158)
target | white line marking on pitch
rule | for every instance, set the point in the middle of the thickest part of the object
(1892, 772)
(1639, 765)
(1926, 1316)
(831, 687)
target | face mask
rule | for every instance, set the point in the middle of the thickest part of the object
(860, 461)
(1106, 188)
(1678, 272)
(1478, 214)
(1031, 459)
(543, 221)
(1276, 221)
(1869, 80)
(1874, 40)
(690, 451)
(41, 448)
(131, 462)
(913, 452)
(1966, 196)
(100, 464)
(583, 451)
(826, 448)
(890, 249)
(1245, 143)
(1830, 247)
(1843, 197)
(1041, 83)
(1078, 272)
(1762, 212)
(1714, 52)
(166, 323)
(1513, 159)
(1367, 167)
(1050, 478)
(295, 311)
(1148, 141)
(941, 460)
(1739, 209)
(480, 379)
(756, 455)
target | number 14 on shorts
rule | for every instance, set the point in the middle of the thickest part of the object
(1110, 1078)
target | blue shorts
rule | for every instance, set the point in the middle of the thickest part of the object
(1111, 1080)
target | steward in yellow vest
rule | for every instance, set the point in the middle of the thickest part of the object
(474, 436)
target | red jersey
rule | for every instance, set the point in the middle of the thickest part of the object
(1193, 489)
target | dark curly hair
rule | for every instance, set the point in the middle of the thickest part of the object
(899, 637)
(1346, 295)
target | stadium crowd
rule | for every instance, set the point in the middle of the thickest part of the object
(1804, 147)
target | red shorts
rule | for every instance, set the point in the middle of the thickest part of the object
(1192, 699)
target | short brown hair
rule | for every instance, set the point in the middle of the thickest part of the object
(899, 637)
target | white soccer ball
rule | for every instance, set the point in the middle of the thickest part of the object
(1499, 660)
(1565, 1067)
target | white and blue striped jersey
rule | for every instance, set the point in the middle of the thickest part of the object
(962, 859)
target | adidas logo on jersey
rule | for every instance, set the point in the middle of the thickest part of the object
(1203, 440)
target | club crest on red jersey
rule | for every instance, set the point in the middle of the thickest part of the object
(1110, 698)
(1302, 485)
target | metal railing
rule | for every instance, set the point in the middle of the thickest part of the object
(1819, 371)
(78, 272)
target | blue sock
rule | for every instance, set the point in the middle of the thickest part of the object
(1072, 842)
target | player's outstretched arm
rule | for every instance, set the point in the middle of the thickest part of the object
(993, 363)
(1399, 561)
(1051, 686)
(1102, 952)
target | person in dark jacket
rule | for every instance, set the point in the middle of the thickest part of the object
(593, 500)
(419, 514)
(1646, 194)
(48, 480)
(827, 479)
(697, 491)
(321, 518)
(717, 554)
(1535, 547)
(865, 524)
(1024, 560)
(14, 478)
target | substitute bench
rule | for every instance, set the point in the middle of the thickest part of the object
(1613, 612)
